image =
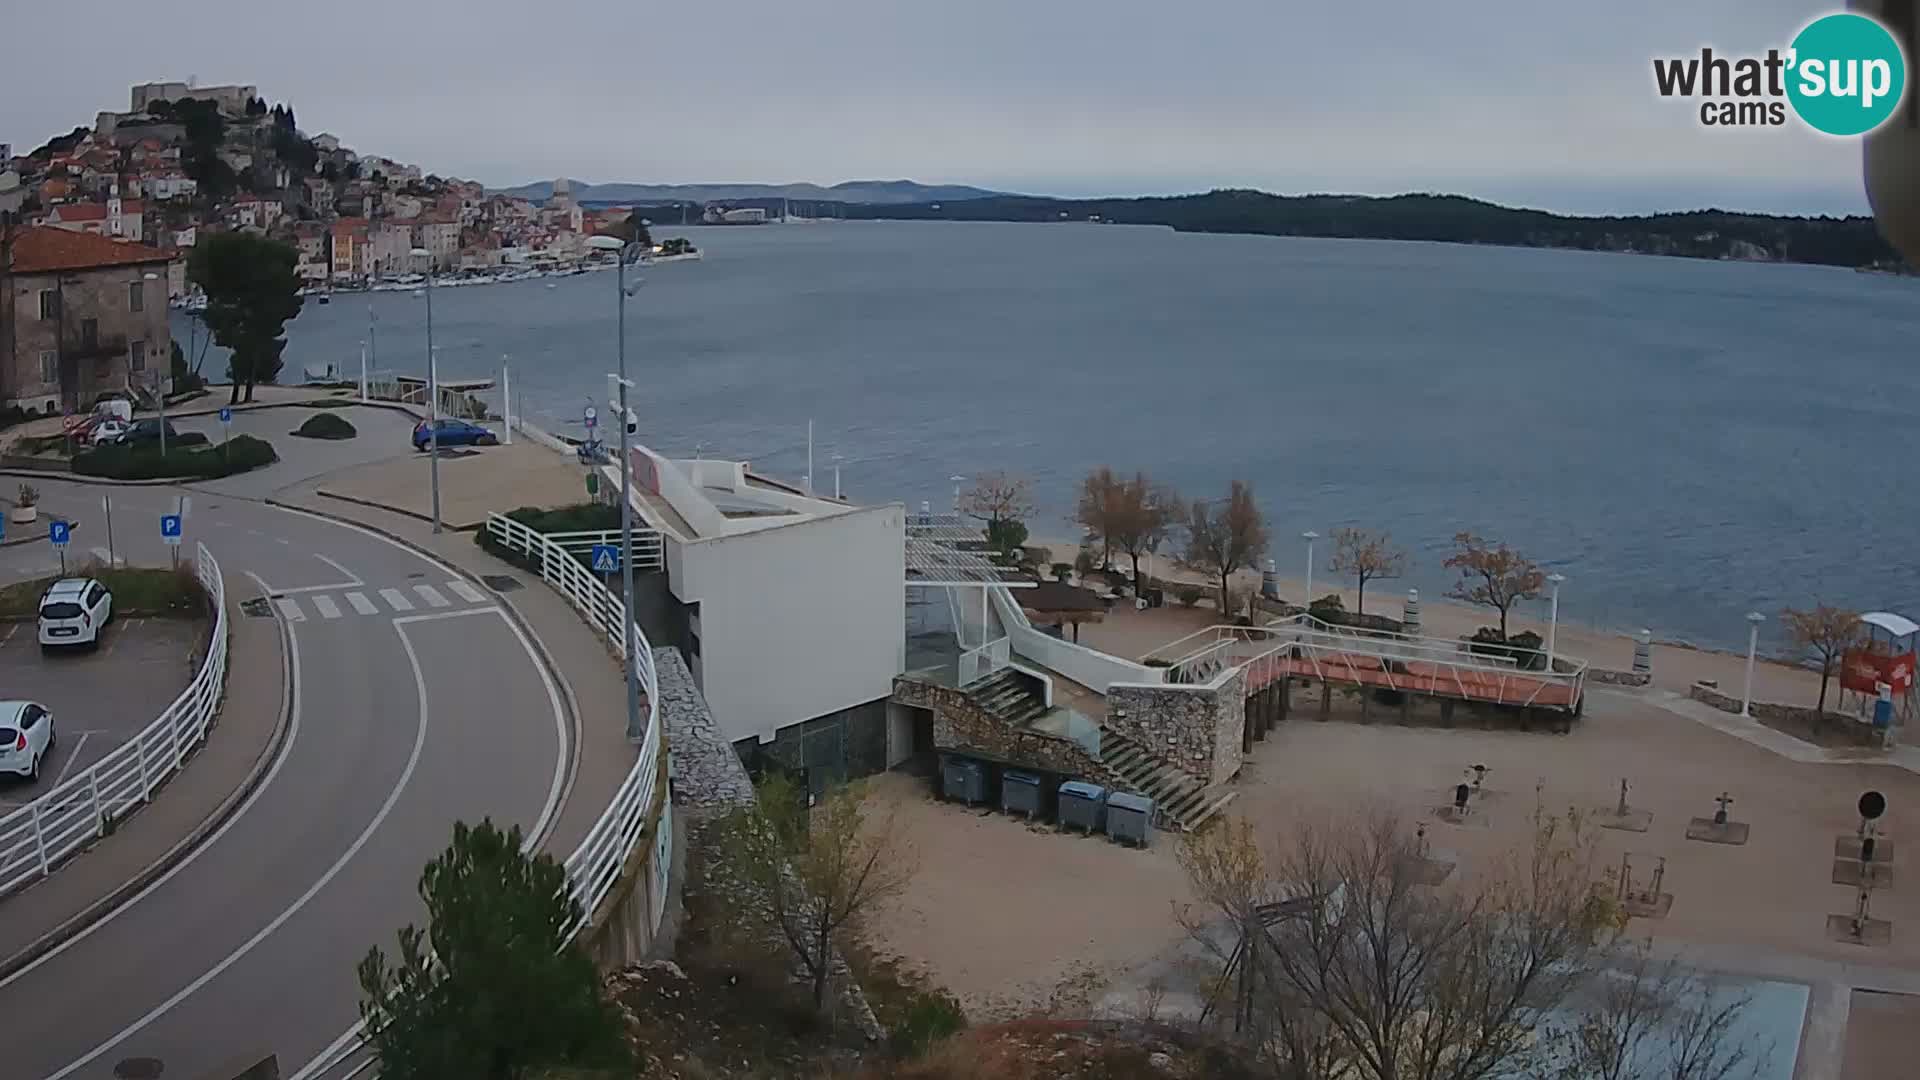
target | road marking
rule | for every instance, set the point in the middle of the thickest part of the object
(393, 797)
(106, 556)
(290, 608)
(361, 604)
(11, 630)
(352, 578)
(467, 592)
(396, 599)
(432, 596)
(286, 748)
(328, 609)
(72, 756)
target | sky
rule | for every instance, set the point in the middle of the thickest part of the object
(1543, 104)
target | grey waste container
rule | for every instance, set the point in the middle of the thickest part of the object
(963, 779)
(1020, 793)
(1130, 818)
(1081, 805)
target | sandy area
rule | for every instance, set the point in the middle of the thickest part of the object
(1880, 1036)
(1003, 913)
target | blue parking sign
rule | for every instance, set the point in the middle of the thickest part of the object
(606, 558)
(226, 416)
(170, 528)
(58, 533)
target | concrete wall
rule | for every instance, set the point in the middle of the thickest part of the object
(797, 621)
(1090, 668)
(1196, 728)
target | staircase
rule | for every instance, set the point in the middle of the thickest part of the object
(1010, 696)
(1179, 800)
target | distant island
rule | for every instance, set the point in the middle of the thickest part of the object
(871, 192)
(1452, 219)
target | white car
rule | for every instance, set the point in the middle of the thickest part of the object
(109, 430)
(73, 611)
(26, 734)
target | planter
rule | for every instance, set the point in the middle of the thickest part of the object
(24, 515)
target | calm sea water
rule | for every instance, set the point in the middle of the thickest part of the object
(1686, 441)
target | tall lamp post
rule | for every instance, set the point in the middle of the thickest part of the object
(1553, 616)
(625, 252)
(163, 377)
(433, 390)
(1309, 536)
(957, 481)
(1754, 619)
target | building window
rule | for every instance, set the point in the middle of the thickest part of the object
(137, 296)
(50, 367)
(89, 333)
(49, 304)
(137, 356)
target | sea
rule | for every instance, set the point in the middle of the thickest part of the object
(1685, 441)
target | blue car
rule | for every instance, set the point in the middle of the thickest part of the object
(453, 433)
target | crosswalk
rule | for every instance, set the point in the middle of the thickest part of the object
(325, 606)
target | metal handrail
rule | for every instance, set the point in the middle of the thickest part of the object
(649, 552)
(85, 806)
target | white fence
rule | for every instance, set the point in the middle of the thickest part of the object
(648, 554)
(83, 807)
(1088, 667)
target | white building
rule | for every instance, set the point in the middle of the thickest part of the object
(792, 605)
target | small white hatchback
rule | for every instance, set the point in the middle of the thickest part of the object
(73, 611)
(26, 734)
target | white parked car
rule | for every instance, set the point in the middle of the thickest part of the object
(109, 431)
(26, 734)
(73, 611)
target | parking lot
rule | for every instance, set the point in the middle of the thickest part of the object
(99, 697)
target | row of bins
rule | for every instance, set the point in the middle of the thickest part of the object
(1093, 809)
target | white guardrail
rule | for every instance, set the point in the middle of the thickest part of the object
(34, 838)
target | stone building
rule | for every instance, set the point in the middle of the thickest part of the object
(80, 315)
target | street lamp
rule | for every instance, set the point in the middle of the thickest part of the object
(957, 481)
(1309, 536)
(1553, 617)
(1754, 619)
(625, 252)
(433, 390)
(160, 383)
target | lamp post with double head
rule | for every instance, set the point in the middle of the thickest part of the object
(1553, 616)
(625, 252)
(1754, 619)
(433, 388)
(1309, 536)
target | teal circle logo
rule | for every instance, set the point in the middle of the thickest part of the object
(1846, 75)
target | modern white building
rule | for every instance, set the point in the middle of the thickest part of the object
(789, 607)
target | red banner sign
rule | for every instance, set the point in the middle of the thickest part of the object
(1862, 671)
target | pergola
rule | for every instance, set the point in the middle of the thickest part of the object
(1059, 603)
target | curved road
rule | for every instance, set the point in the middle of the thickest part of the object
(417, 703)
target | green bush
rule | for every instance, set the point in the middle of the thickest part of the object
(325, 426)
(930, 1017)
(237, 455)
(580, 517)
(1524, 648)
(1188, 595)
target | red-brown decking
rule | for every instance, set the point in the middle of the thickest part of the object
(1417, 677)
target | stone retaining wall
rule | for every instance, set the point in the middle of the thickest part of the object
(1797, 715)
(1195, 728)
(960, 725)
(1621, 678)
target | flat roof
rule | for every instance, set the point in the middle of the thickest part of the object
(931, 563)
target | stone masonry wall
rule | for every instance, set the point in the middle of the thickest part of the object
(960, 725)
(1196, 729)
(1618, 678)
(1840, 723)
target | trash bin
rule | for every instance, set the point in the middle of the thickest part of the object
(1082, 805)
(963, 779)
(1130, 818)
(1020, 793)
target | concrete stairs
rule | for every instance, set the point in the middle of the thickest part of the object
(1179, 800)
(1010, 696)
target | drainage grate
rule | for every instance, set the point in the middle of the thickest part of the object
(138, 1068)
(500, 582)
(259, 607)
(421, 573)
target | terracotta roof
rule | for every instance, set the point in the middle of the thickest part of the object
(81, 212)
(44, 249)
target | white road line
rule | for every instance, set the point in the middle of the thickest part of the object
(352, 578)
(71, 758)
(286, 749)
(432, 596)
(362, 605)
(393, 797)
(11, 630)
(467, 592)
(290, 608)
(103, 555)
(328, 609)
(396, 599)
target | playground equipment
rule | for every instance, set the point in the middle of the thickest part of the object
(1876, 677)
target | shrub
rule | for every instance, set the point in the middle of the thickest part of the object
(136, 591)
(1061, 570)
(29, 495)
(1188, 595)
(930, 1018)
(1083, 563)
(579, 517)
(1524, 648)
(188, 461)
(325, 426)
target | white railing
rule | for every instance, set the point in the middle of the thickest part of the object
(82, 808)
(648, 552)
(1090, 668)
(594, 867)
(983, 660)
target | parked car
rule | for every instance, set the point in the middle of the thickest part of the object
(147, 433)
(108, 430)
(26, 734)
(73, 611)
(453, 433)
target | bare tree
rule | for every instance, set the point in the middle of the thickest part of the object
(1827, 632)
(1368, 556)
(1003, 501)
(1128, 515)
(1226, 535)
(813, 875)
(1100, 493)
(1651, 1019)
(1493, 575)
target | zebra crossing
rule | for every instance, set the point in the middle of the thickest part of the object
(377, 602)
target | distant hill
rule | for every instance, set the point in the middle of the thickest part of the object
(1452, 219)
(851, 191)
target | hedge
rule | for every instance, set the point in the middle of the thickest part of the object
(139, 591)
(236, 455)
(326, 426)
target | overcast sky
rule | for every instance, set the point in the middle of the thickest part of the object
(1543, 103)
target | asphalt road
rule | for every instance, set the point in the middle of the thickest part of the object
(417, 706)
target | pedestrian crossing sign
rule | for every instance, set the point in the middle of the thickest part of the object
(606, 558)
